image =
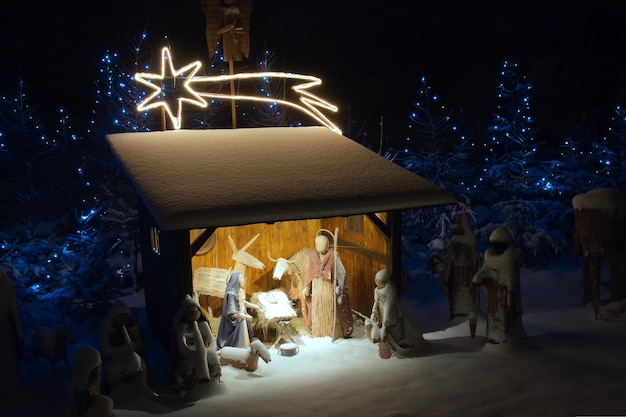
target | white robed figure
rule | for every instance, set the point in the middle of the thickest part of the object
(388, 325)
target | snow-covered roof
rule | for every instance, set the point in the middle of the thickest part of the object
(192, 179)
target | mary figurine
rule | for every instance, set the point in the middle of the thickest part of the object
(235, 329)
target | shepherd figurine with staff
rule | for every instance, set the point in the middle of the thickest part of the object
(326, 290)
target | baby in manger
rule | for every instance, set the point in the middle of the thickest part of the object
(277, 312)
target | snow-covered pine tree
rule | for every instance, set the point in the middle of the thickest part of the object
(116, 94)
(436, 150)
(513, 149)
(260, 114)
(217, 114)
(90, 278)
(268, 114)
(36, 196)
(512, 170)
(581, 165)
(611, 162)
(102, 183)
(26, 153)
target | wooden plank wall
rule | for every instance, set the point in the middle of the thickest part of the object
(362, 254)
(280, 239)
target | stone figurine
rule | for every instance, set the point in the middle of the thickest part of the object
(500, 275)
(116, 325)
(389, 326)
(195, 357)
(86, 398)
(124, 367)
(462, 262)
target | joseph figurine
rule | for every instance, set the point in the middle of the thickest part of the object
(326, 293)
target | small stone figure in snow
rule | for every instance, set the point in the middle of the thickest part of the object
(11, 339)
(196, 358)
(388, 325)
(86, 398)
(235, 329)
(119, 323)
(462, 262)
(125, 370)
(500, 275)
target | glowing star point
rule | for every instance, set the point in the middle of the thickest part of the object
(309, 103)
(157, 98)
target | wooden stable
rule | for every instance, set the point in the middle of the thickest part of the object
(363, 248)
(196, 188)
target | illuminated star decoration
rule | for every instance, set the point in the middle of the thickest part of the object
(310, 103)
(156, 99)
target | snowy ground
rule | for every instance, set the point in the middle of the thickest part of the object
(570, 365)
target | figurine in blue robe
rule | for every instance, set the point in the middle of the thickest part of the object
(235, 329)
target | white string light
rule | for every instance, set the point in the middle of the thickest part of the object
(310, 103)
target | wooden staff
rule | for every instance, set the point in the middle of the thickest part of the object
(233, 106)
(334, 285)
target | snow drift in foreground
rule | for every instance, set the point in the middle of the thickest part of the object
(569, 365)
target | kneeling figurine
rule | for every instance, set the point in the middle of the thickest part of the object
(245, 358)
(389, 326)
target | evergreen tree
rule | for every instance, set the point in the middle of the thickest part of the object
(117, 94)
(435, 147)
(35, 164)
(24, 143)
(436, 150)
(581, 165)
(513, 172)
(28, 154)
(100, 180)
(611, 159)
(512, 162)
(218, 112)
(262, 114)
(268, 114)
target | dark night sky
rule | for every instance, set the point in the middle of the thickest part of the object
(370, 56)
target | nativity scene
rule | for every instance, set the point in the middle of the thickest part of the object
(213, 204)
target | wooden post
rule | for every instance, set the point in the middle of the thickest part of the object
(395, 250)
(335, 316)
(233, 106)
(230, 21)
